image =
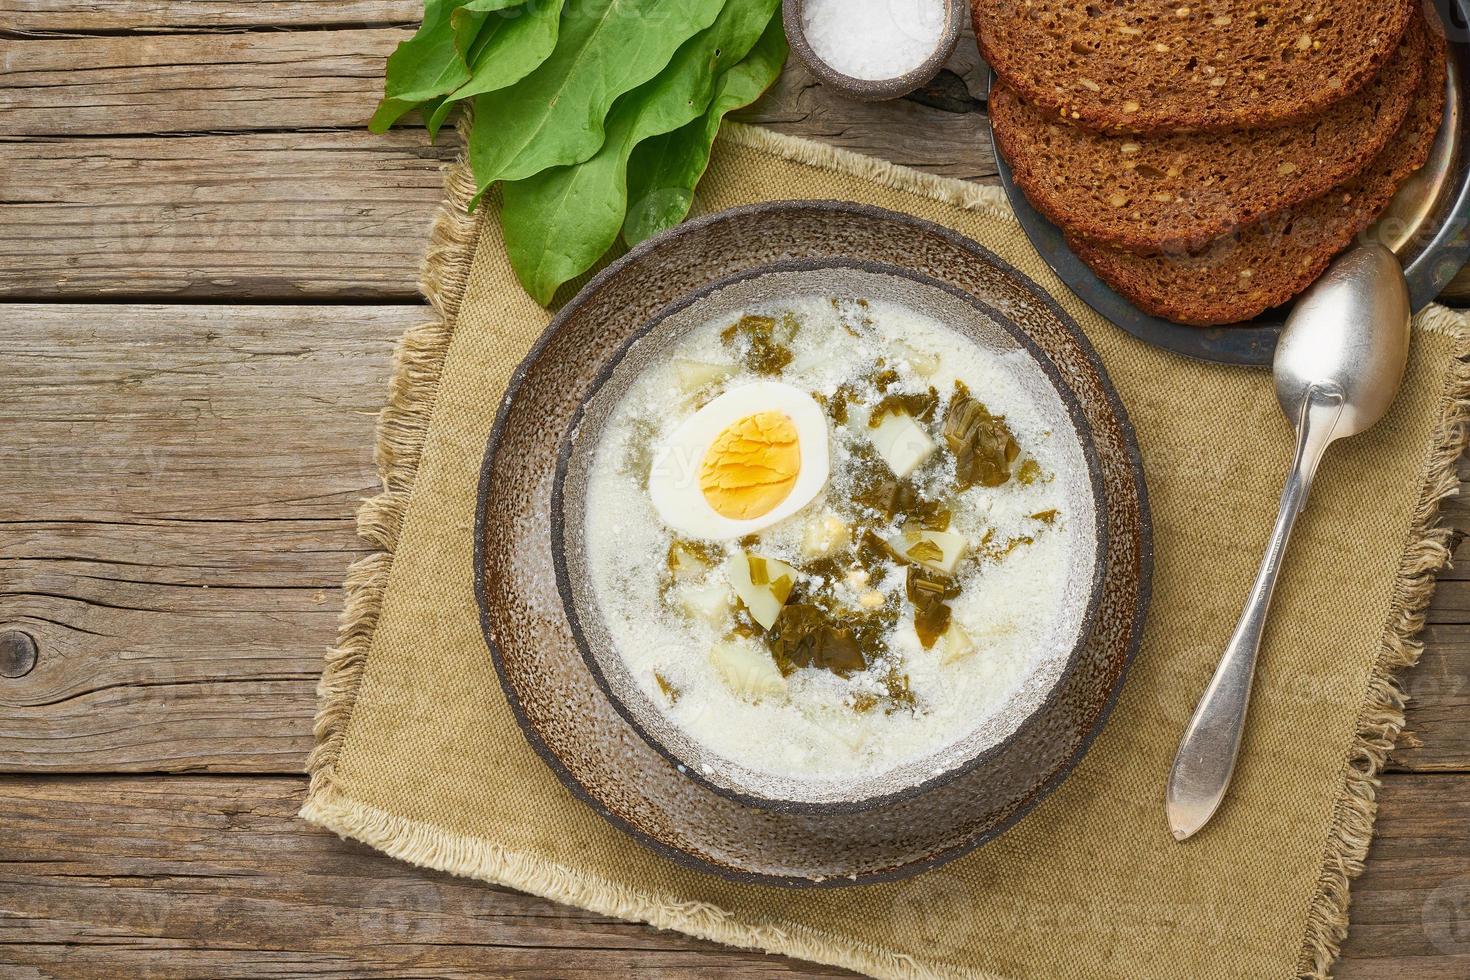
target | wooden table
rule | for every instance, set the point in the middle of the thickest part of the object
(204, 261)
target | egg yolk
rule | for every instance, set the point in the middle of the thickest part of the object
(751, 466)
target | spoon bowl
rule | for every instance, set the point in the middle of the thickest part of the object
(1350, 329)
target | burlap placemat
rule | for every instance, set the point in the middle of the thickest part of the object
(418, 754)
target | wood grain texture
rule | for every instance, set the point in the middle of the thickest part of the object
(191, 413)
(263, 216)
(205, 875)
(958, 142)
(274, 80)
(173, 540)
(1411, 909)
(942, 128)
(179, 83)
(50, 17)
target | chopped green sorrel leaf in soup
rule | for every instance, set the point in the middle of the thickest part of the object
(929, 592)
(689, 559)
(846, 393)
(1030, 472)
(876, 488)
(761, 342)
(983, 447)
(920, 406)
(638, 454)
(926, 551)
(808, 636)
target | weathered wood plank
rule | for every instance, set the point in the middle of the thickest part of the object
(1436, 736)
(950, 135)
(171, 646)
(168, 646)
(173, 540)
(271, 80)
(1411, 909)
(263, 216)
(1451, 603)
(1455, 512)
(284, 217)
(201, 873)
(161, 15)
(118, 413)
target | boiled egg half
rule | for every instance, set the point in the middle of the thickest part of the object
(751, 457)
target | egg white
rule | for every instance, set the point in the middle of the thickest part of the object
(673, 481)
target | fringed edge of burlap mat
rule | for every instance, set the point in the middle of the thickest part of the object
(404, 423)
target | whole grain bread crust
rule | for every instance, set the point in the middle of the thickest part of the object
(1265, 265)
(1161, 66)
(1177, 193)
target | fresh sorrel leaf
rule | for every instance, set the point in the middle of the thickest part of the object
(554, 116)
(510, 45)
(665, 169)
(466, 27)
(389, 111)
(560, 221)
(487, 6)
(468, 18)
(424, 67)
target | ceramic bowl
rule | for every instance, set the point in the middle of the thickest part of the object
(570, 719)
(874, 89)
(656, 341)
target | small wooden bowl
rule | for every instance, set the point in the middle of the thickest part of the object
(873, 89)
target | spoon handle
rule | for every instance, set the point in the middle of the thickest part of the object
(1206, 757)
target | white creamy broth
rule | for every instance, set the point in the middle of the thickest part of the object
(1006, 596)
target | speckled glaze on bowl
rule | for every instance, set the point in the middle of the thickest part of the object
(874, 89)
(567, 716)
(1079, 481)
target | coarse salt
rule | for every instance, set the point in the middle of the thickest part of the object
(873, 39)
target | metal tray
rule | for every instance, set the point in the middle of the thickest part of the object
(1425, 225)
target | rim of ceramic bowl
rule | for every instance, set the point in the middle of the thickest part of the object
(873, 89)
(570, 445)
(1137, 620)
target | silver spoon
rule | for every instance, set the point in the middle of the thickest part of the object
(1338, 365)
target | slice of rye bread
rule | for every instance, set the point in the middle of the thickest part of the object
(1151, 194)
(1158, 66)
(1268, 263)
